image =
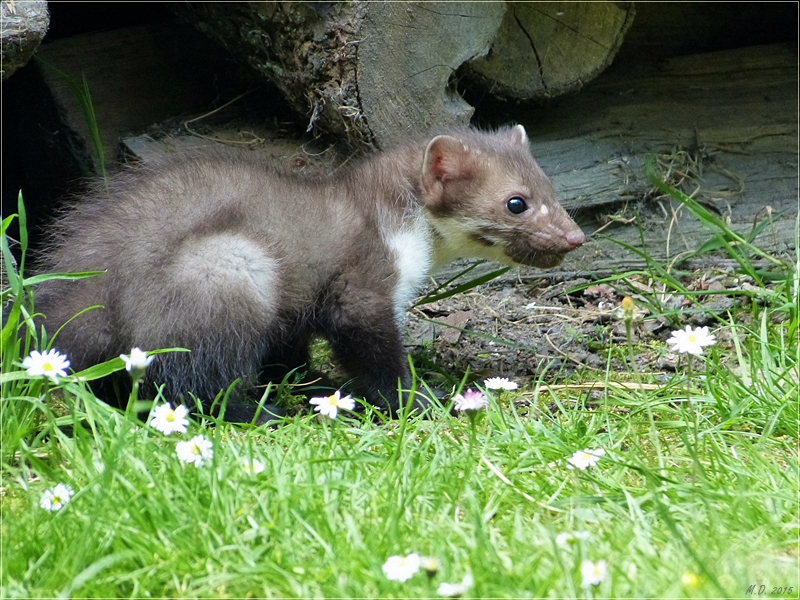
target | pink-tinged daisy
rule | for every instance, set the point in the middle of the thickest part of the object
(470, 401)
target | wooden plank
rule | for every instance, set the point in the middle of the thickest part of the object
(735, 110)
(666, 29)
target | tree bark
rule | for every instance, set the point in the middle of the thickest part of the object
(24, 24)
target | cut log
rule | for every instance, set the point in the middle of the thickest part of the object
(408, 56)
(22, 27)
(374, 71)
(545, 49)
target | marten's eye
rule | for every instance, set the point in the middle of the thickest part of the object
(516, 205)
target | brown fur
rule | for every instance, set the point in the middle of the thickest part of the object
(242, 264)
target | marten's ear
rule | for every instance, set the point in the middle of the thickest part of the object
(518, 136)
(446, 159)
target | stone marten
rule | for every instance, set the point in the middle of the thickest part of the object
(243, 264)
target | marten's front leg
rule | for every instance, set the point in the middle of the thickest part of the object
(367, 344)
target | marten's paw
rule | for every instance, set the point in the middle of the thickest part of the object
(268, 414)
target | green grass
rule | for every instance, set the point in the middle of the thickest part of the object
(696, 496)
(82, 95)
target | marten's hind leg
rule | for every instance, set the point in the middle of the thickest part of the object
(217, 297)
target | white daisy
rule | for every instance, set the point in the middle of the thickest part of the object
(631, 571)
(570, 537)
(253, 466)
(690, 580)
(401, 568)
(431, 565)
(137, 361)
(593, 573)
(50, 364)
(329, 405)
(168, 420)
(56, 498)
(582, 459)
(196, 451)
(691, 341)
(455, 590)
(500, 383)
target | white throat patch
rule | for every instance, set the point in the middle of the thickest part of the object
(411, 246)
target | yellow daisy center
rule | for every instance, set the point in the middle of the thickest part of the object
(690, 580)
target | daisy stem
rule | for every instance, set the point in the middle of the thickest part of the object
(134, 397)
(472, 414)
(472, 431)
(645, 400)
(330, 425)
(693, 409)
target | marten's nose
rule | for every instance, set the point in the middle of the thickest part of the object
(574, 238)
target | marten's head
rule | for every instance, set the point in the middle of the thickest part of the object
(487, 198)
